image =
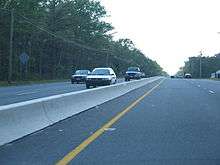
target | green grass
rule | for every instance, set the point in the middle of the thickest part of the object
(29, 82)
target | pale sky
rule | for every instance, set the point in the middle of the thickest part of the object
(168, 31)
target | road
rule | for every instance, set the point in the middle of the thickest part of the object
(15, 94)
(174, 122)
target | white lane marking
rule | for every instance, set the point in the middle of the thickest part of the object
(199, 86)
(26, 93)
(110, 129)
(212, 92)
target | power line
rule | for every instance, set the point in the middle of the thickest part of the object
(59, 37)
(53, 34)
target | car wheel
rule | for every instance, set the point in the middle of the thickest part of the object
(87, 86)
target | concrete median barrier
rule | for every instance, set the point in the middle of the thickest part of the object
(20, 119)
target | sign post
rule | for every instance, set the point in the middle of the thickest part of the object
(24, 58)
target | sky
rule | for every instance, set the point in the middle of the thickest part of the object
(168, 31)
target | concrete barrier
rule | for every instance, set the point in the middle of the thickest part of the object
(20, 119)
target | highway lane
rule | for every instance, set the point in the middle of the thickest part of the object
(177, 123)
(15, 94)
(210, 86)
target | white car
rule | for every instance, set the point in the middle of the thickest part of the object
(101, 76)
(188, 75)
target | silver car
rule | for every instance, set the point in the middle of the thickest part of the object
(79, 76)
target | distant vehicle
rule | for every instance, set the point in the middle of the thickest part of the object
(172, 76)
(79, 76)
(133, 73)
(216, 74)
(101, 76)
(188, 75)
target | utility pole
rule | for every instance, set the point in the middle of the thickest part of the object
(200, 65)
(106, 53)
(11, 47)
(107, 58)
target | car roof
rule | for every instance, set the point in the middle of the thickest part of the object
(103, 68)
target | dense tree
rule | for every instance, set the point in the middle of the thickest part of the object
(61, 36)
(208, 65)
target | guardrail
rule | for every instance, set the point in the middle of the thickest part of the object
(20, 119)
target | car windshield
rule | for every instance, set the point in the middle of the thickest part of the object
(82, 72)
(133, 69)
(100, 72)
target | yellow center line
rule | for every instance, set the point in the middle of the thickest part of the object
(72, 154)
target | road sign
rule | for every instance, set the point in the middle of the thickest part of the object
(24, 58)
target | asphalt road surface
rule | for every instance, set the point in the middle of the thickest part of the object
(15, 94)
(174, 123)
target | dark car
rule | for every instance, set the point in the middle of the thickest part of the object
(133, 73)
(79, 76)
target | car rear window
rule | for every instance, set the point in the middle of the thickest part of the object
(133, 69)
(81, 72)
(101, 72)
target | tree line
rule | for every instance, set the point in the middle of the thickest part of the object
(60, 36)
(208, 65)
